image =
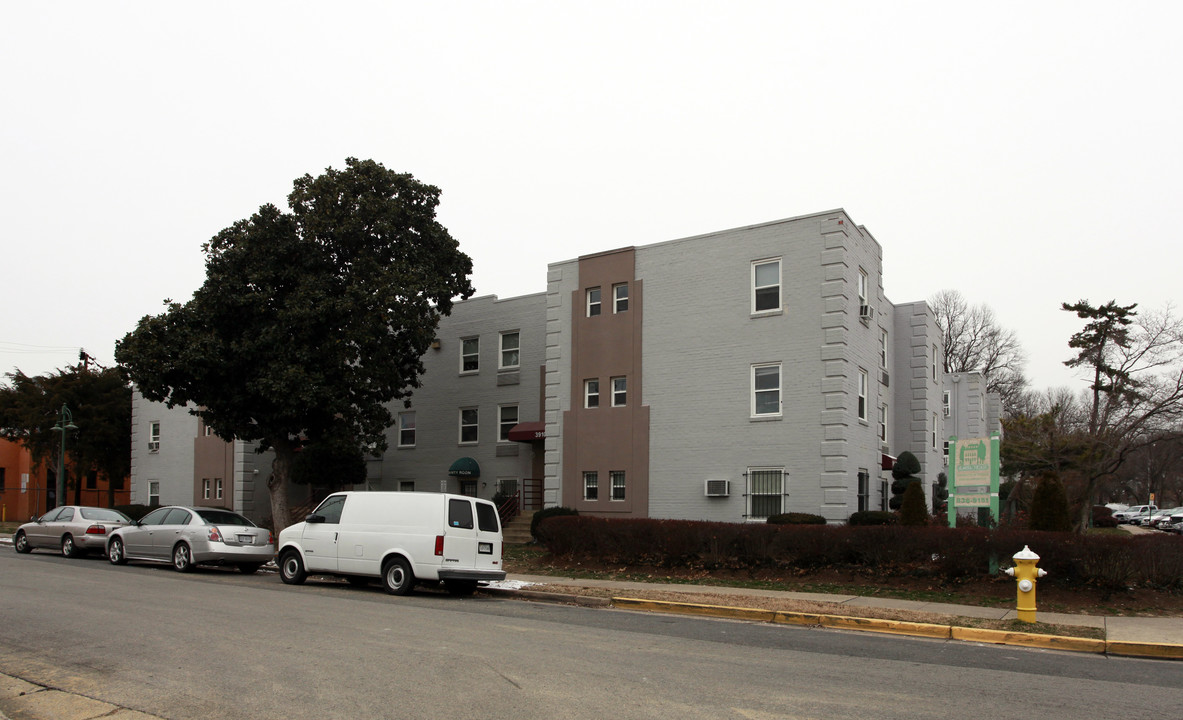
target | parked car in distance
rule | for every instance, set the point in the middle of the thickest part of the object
(1134, 513)
(191, 536)
(72, 529)
(1161, 516)
(401, 538)
(1174, 524)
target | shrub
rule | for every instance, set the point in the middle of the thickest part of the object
(135, 512)
(914, 508)
(796, 519)
(874, 517)
(1103, 517)
(547, 513)
(1049, 506)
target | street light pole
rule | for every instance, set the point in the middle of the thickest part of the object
(65, 423)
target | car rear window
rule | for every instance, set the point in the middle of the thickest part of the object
(223, 517)
(486, 517)
(104, 515)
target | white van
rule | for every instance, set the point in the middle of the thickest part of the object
(400, 537)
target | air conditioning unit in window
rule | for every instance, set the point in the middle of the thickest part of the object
(718, 488)
(866, 312)
(153, 446)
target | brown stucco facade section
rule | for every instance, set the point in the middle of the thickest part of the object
(213, 458)
(607, 439)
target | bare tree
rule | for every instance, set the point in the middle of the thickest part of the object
(974, 341)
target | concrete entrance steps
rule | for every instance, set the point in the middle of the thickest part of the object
(517, 531)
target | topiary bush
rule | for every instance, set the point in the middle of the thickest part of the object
(548, 513)
(796, 519)
(914, 508)
(874, 517)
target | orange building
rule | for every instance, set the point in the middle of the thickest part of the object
(27, 490)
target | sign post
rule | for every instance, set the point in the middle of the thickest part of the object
(973, 475)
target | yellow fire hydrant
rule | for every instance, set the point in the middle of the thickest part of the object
(1026, 574)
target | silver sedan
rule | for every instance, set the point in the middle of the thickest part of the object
(190, 536)
(72, 529)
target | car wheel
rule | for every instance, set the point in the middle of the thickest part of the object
(182, 558)
(69, 549)
(115, 552)
(22, 543)
(460, 587)
(397, 578)
(291, 568)
(248, 568)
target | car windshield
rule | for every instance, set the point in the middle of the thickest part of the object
(223, 517)
(104, 514)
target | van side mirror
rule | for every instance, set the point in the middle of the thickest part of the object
(314, 518)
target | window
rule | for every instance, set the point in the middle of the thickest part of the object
(620, 298)
(153, 492)
(591, 393)
(176, 516)
(331, 509)
(862, 287)
(2, 478)
(945, 402)
(862, 394)
(766, 390)
(591, 486)
(406, 486)
(156, 517)
(460, 514)
(205, 489)
(883, 495)
(507, 418)
(883, 349)
(468, 425)
(766, 487)
(153, 436)
(883, 423)
(619, 392)
(593, 302)
(217, 488)
(510, 358)
(765, 286)
(470, 355)
(946, 453)
(486, 518)
(934, 362)
(934, 431)
(864, 490)
(92, 480)
(406, 429)
(617, 479)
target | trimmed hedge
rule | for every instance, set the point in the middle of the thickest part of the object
(1109, 562)
(548, 513)
(874, 517)
(796, 519)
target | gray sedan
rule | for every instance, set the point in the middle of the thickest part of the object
(189, 536)
(73, 529)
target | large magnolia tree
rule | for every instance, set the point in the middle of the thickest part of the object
(310, 322)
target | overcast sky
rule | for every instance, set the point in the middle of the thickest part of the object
(1024, 154)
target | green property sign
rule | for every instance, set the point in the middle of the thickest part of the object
(973, 475)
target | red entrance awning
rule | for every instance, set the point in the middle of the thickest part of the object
(528, 432)
(886, 462)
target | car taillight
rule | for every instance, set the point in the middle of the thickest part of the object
(439, 544)
(270, 538)
(96, 530)
(214, 535)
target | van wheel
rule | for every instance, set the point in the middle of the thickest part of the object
(22, 543)
(291, 568)
(397, 578)
(460, 587)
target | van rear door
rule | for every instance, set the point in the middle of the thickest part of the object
(473, 540)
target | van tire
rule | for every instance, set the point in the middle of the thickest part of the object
(397, 578)
(460, 588)
(291, 568)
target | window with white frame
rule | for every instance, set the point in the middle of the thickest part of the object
(934, 431)
(862, 394)
(864, 490)
(470, 355)
(620, 298)
(935, 355)
(153, 492)
(406, 429)
(617, 479)
(217, 488)
(154, 436)
(945, 402)
(883, 495)
(619, 392)
(205, 488)
(593, 302)
(591, 393)
(468, 426)
(766, 492)
(510, 355)
(591, 486)
(883, 423)
(765, 285)
(862, 287)
(883, 349)
(766, 390)
(507, 417)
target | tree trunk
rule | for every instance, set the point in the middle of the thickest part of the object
(281, 473)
